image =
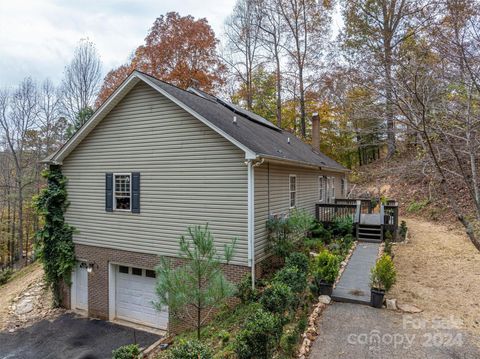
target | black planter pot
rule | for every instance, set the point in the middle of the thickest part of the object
(376, 297)
(325, 288)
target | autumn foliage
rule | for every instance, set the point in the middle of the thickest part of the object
(179, 50)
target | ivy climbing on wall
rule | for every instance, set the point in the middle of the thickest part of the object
(55, 244)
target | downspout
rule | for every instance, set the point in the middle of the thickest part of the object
(251, 219)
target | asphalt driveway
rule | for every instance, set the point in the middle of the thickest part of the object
(70, 337)
(351, 331)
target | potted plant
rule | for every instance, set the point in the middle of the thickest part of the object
(383, 276)
(326, 268)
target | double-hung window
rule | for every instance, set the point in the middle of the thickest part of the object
(293, 190)
(321, 188)
(122, 195)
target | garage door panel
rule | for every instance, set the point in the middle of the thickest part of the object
(134, 300)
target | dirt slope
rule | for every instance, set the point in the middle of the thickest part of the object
(24, 299)
(438, 270)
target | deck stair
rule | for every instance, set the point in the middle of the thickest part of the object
(369, 233)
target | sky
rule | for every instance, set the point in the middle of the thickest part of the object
(37, 37)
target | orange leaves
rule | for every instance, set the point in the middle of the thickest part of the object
(178, 49)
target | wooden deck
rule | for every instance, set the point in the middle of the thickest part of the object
(381, 218)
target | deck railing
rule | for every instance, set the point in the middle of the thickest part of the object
(390, 217)
(327, 212)
(355, 208)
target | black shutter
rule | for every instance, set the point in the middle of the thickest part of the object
(135, 192)
(109, 192)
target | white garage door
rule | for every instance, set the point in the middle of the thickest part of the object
(135, 292)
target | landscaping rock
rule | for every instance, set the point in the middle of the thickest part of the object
(392, 304)
(409, 308)
(325, 299)
(24, 306)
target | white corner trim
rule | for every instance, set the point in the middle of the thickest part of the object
(249, 154)
(251, 218)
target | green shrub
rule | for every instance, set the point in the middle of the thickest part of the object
(5, 275)
(298, 260)
(245, 292)
(346, 243)
(289, 340)
(383, 275)
(259, 335)
(388, 244)
(277, 298)
(342, 226)
(403, 229)
(131, 351)
(319, 231)
(417, 206)
(292, 277)
(300, 222)
(224, 336)
(279, 236)
(313, 244)
(190, 349)
(326, 267)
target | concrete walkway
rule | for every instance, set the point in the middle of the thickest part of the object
(349, 331)
(354, 285)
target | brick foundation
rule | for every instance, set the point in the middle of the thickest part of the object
(98, 285)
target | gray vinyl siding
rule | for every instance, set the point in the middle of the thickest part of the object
(272, 196)
(190, 175)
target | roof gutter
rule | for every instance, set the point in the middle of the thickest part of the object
(275, 159)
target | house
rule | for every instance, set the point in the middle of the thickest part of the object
(155, 159)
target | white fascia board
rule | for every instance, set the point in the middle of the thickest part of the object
(249, 154)
(99, 114)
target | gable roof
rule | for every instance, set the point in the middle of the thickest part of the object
(257, 137)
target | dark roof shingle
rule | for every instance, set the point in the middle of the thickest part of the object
(268, 141)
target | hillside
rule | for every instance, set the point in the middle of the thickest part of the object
(408, 180)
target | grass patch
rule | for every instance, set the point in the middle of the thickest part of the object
(417, 206)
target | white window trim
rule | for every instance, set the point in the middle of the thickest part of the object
(334, 195)
(114, 190)
(290, 191)
(322, 184)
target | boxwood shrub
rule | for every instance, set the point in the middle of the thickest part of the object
(277, 298)
(259, 336)
(298, 260)
(292, 277)
(190, 349)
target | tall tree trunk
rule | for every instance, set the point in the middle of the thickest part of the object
(20, 220)
(303, 114)
(391, 143)
(279, 90)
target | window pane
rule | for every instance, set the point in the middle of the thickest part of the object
(122, 203)
(123, 269)
(150, 273)
(137, 271)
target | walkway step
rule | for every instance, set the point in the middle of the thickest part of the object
(354, 285)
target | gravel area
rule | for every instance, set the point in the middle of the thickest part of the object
(353, 331)
(438, 270)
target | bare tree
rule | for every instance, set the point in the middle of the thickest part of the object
(375, 31)
(242, 31)
(272, 38)
(437, 94)
(18, 116)
(307, 25)
(81, 80)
